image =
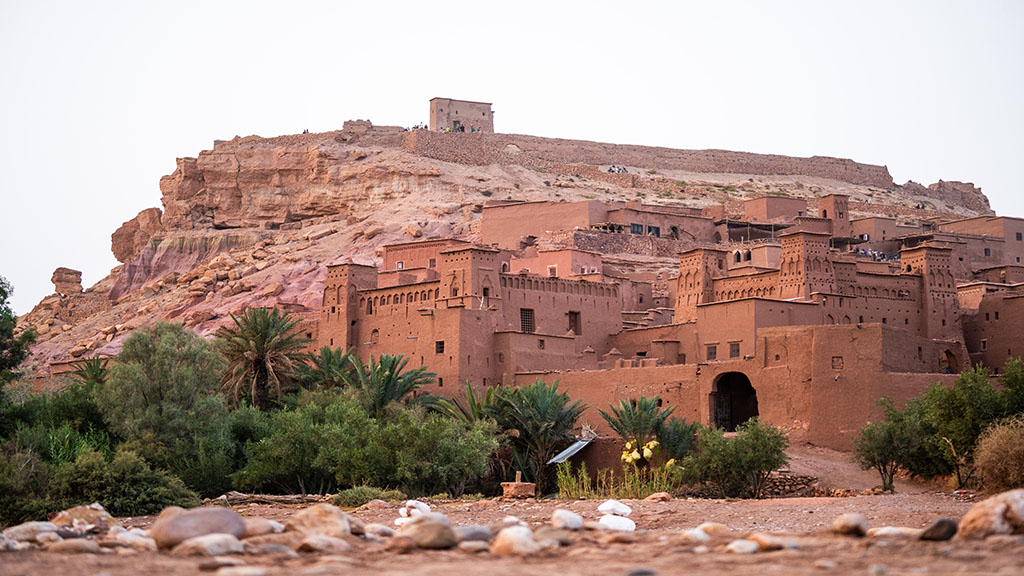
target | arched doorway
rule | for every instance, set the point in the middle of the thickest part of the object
(948, 363)
(734, 401)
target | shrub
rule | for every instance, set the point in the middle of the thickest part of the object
(885, 445)
(124, 485)
(332, 440)
(359, 495)
(24, 479)
(1000, 455)
(958, 416)
(740, 466)
(163, 395)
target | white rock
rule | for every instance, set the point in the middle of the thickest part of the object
(512, 521)
(27, 532)
(695, 536)
(742, 547)
(566, 519)
(514, 541)
(416, 504)
(894, 532)
(613, 522)
(850, 524)
(614, 507)
(713, 528)
(414, 512)
(402, 521)
(209, 545)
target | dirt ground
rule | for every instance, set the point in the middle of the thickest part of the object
(803, 522)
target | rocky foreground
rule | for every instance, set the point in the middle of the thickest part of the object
(919, 533)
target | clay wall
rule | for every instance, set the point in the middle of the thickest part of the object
(504, 225)
(452, 114)
(995, 332)
(1001, 274)
(561, 263)
(808, 224)
(774, 208)
(879, 228)
(406, 276)
(668, 225)
(541, 153)
(817, 383)
(597, 308)
(417, 254)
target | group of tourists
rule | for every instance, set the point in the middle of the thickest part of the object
(617, 170)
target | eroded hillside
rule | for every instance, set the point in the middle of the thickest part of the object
(255, 221)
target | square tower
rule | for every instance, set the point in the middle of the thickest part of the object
(461, 115)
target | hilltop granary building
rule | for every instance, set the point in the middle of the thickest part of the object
(460, 115)
(805, 328)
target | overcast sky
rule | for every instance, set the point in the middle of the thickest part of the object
(97, 99)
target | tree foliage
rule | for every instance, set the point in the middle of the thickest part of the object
(329, 368)
(13, 349)
(264, 349)
(385, 380)
(740, 466)
(638, 421)
(162, 397)
(886, 445)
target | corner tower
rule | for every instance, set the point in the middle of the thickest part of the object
(339, 310)
(697, 271)
(804, 265)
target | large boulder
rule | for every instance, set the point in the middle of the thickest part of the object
(175, 525)
(1000, 514)
(322, 520)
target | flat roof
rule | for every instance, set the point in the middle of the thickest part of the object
(457, 100)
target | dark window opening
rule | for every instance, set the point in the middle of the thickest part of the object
(636, 228)
(734, 350)
(984, 344)
(440, 382)
(432, 262)
(712, 353)
(540, 343)
(526, 320)
(574, 323)
(439, 347)
(988, 252)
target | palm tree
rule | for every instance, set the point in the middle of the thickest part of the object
(638, 421)
(383, 381)
(263, 348)
(91, 371)
(326, 370)
(476, 407)
(542, 420)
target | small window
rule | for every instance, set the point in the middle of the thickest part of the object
(986, 316)
(440, 382)
(860, 319)
(712, 353)
(734, 350)
(984, 344)
(654, 231)
(552, 271)
(540, 343)
(997, 315)
(439, 347)
(680, 358)
(1020, 236)
(400, 265)
(526, 321)
(988, 252)
(636, 228)
(432, 263)
(487, 291)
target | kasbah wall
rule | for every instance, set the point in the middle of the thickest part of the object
(806, 336)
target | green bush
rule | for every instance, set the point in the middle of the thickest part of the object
(163, 395)
(359, 495)
(885, 445)
(332, 440)
(24, 480)
(740, 466)
(124, 485)
(1000, 455)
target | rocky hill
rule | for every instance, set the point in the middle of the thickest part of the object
(255, 221)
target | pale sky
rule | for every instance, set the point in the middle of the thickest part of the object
(97, 99)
